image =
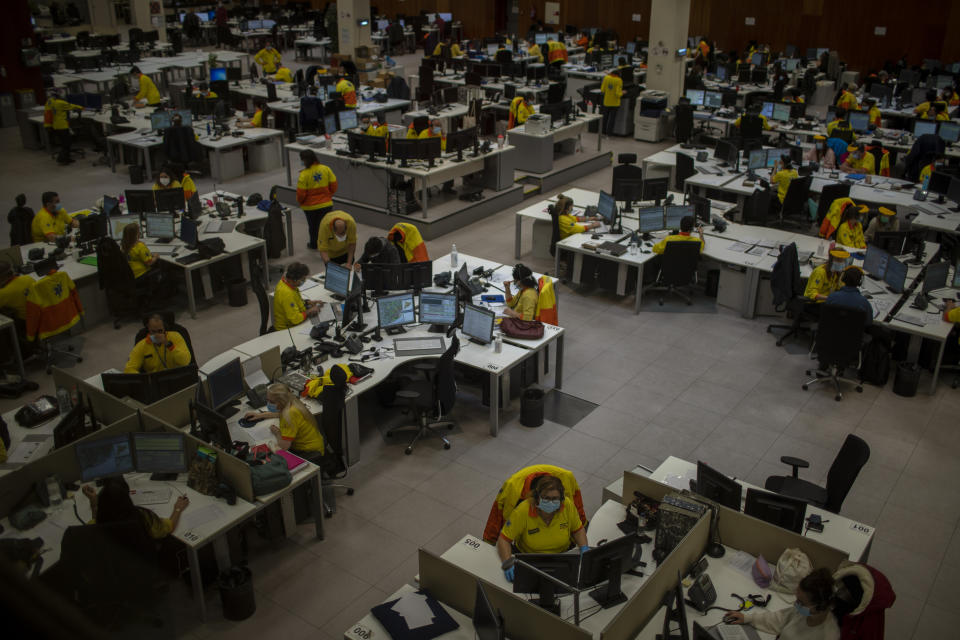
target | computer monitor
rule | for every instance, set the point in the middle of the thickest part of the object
(781, 112)
(209, 426)
(675, 619)
(416, 275)
(169, 381)
(347, 119)
(766, 110)
(935, 276)
(776, 509)
(160, 120)
(790, 64)
(890, 241)
(695, 96)
(562, 566)
(812, 53)
(429, 149)
(132, 385)
(93, 227)
(487, 621)
(218, 73)
(225, 384)
(330, 123)
(924, 127)
(655, 189)
(875, 261)
(918, 95)
(757, 59)
(111, 206)
(607, 208)
(882, 92)
(160, 452)
(104, 457)
(949, 131)
(460, 141)
(170, 200)
(160, 226)
(478, 324)
(363, 144)
(942, 81)
(403, 150)
(701, 207)
(337, 280)
(650, 219)
(446, 16)
(540, 38)
(395, 312)
(631, 47)
(438, 308)
(713, 99)
(140, 201)
(557, 110)
(188, 231)
(859, 120)
(382, 25)
(895, 275)
(939, 182)
(535, 71)
(606, 563)
(715, 486)
(757, 159)
(674, 213)
(234, 74)
(953, 192)
(721, 73)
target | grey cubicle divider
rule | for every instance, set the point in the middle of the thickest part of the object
(636, 613)
(107, 408)
(523, 620)
(174, 410)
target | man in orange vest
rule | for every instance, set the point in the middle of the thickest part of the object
(315, 188)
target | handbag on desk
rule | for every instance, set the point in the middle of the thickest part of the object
(522, 329)
(269, 473)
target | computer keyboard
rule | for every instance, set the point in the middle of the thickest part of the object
(428, 346)
(190, 258)
(142, 498)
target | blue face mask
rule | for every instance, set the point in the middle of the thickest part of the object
(272, 408)
(803, 610)
(549, 506)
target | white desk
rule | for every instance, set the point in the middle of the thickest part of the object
(536, 151)
(852, 537)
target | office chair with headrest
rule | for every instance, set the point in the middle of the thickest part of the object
(180, 146)
(683, 122)
(432, 398)
(333, 463)
(678, 270)
(626, 158)
(787, 287)
(685, 169)
(518, 486)
(263, 299)
(793, 210)
(625, 178)
(126, 296)
(554, 228)
(851, 458)
(837, 345)
(830, 193)
(420, 123)
(757, 207)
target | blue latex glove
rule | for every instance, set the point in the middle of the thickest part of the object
(585, 548)
(508, 573)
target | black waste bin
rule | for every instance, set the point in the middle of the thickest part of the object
(531, 408)
(237, 292)
(236, 593)
(907, 379)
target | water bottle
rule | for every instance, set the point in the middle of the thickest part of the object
(926, 181)
(498, 344)
(53, 490)
(63, 401)
(329, 141)
(632, 249)
(500, 141)
(453, 256)
(208, 128)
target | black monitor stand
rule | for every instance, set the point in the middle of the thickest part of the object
(395, 331)
(548, 597)
(610, 595)
(230, 409)
(459, 157)
(437, 328)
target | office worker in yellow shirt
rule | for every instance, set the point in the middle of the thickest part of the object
(783, 174)
(114, 505)
(612, 90)
(167, 178)
(256, 120)
(297, 429)
(316, 185)
(147, 95)
(268, 58)
(52, 220)
(59, 117)
(951, 312)
(922, 108)
(886, 221)
(874, 116)
(685, 235)
(289, 307)
(283, 74)
(337, 240)
(523, 305)
(370, 125)
(949, 95)
(520, 110)
(939, 109)
(454, 49)
(850, 231)
(859, 160)
(534, 50)
(825, 279)
(347, 91)
(13, 291)
(848, 100)
(159, 351)
(754, 110)
(545, 522)
(138, 255)
(568, 222)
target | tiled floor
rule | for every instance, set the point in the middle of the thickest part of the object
(712, 386)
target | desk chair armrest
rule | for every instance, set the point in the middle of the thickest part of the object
(407, 394)
(796, 463)
(426, 367)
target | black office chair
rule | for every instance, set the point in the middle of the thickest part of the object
(554, 228)
(851, 458)
(263, 300)
(757, 207)
(685, 169)
(845, 133)
(431, 398)
(170, 323)
(837, 345)
(752, 144)
(751, 128)
(626, 176)
(830, 193)
(683, 122)
(180, 146)
(787, 288)
(678, 269)
(126, 297)
(333, 464)
(793, 211)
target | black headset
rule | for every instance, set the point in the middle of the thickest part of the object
(535, 487)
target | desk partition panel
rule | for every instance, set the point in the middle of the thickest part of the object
(523, 620)
(108, 409)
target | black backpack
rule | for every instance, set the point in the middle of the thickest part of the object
(875, 363)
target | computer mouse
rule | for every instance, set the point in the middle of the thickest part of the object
(246, 424)
(595, 236)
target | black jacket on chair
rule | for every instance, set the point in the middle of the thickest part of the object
(178, 144)
(274, 236)
(20, 219)
(785, 280)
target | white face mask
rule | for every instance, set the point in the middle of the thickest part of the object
(341, 238)
(164, 180)
(437, 130)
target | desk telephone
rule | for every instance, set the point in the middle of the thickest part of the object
(702, 593)
(257, 396)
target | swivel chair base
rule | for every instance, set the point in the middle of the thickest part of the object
(834, 376)
(423, 428)
(665, 289)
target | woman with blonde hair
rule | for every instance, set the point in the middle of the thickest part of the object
(137, 253)
(297, 429)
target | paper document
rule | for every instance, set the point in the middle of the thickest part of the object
(739, 247)
(415, 610)
(193, 518)
(30, 447)
(253, 373)
(741, 561)
(307, 285)
(756, 251)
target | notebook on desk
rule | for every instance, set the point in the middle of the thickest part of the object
(219, 226)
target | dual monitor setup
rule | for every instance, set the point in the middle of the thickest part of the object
(159, 453)
(425, 149)
(651, 219)
(767, 158)
(880, 264)
(162, 119)
(440, 310)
